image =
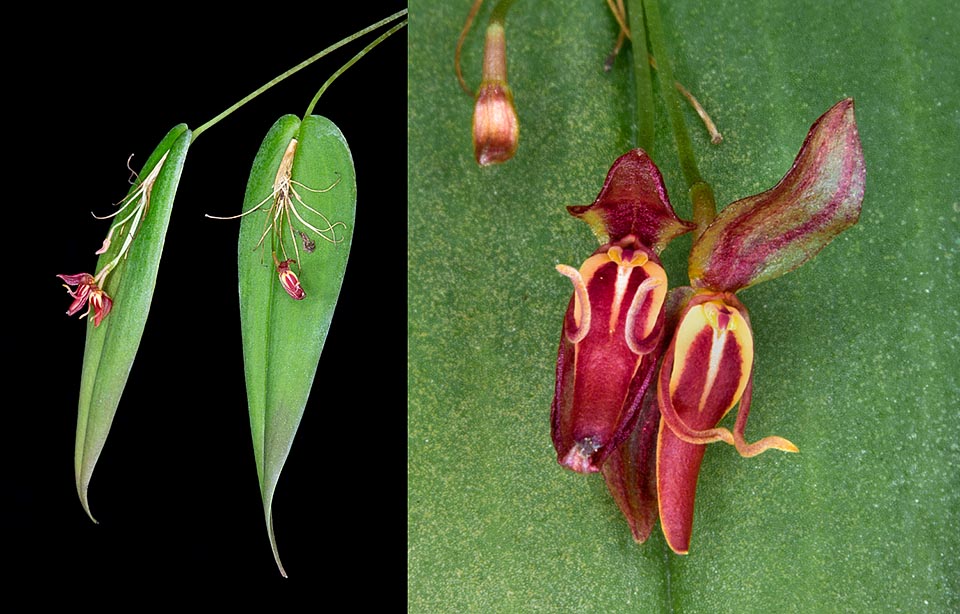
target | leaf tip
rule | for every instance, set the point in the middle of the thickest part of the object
(273, 543)
(84, 501)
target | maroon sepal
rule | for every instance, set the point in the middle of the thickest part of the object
(633, 201)
(630, 472)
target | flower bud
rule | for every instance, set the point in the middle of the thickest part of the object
(289, 280)
(496, 129)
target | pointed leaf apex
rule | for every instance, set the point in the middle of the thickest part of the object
(82, 491)
(273, 543)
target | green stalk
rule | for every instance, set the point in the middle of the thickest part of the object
(704, 203)
(352, 61)
(499, 14)
(295, 69)
(641, 77)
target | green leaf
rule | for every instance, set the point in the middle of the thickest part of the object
(856, 352)
(283, 337)
(111, 347)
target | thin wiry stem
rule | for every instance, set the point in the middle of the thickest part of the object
(463, 36)
(619, 13)
(350, 63)
(704, 204)
(295, 69)
(642, 78)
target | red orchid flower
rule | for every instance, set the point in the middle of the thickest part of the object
(708, 366)
(613, 328)
(87, 291)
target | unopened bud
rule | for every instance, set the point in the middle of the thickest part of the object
(496, 129)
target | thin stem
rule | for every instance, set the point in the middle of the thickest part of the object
(641, 77)
(463, 36)
(704, 204)
(499, 14)
(715, 137)
(295, 69)
(350, 63)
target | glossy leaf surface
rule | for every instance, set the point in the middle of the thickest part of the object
(283, 337)
(111, 347)
(856, 351)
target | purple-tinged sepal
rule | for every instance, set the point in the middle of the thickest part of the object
(611, 331)
(633, 201)
(631, 470)
(764, 236)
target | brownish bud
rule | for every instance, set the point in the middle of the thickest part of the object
(496, 129)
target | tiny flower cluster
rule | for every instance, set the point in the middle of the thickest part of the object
(83, 287)
(87, 289)
(644, 375)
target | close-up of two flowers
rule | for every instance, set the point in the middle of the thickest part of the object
(644, 375)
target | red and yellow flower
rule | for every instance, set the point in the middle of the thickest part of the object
(613, 329)
(706, 368)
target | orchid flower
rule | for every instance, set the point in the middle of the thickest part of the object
(613, 329)
(644, 376)
(708, 367)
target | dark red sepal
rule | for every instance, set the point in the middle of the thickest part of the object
(633, 201)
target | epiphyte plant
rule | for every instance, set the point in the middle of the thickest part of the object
(707, 367)
(643, 376)
(296, 154)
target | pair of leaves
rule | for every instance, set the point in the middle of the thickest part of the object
(282, 338)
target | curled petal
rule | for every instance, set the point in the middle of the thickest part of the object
(611, 331)
(748, 450)
(633, 201)
(580, 322)
(764, 236)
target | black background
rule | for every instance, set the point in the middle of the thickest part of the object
(175, 490)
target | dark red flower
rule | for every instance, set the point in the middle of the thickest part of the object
(85, 290)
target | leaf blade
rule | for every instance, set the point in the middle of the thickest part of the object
(111, 348)
(291, 333)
